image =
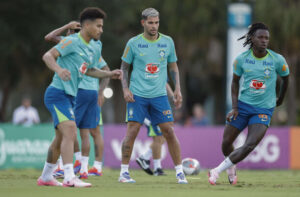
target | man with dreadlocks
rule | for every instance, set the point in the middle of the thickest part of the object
(253, 105)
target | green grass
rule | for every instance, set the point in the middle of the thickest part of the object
(251, 183)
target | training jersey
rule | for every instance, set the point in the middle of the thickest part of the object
(149, 60)
(75, 52)
(258, 77)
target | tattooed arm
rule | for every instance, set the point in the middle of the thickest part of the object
(103, 84)
(128, 96)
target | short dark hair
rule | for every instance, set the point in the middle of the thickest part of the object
(91, 13)
(251, 32)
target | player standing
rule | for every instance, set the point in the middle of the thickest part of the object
(150, 53)
(253, 105)
(70, 59)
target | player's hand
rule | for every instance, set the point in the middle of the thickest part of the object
(128, 96)
(74, 25)
(232, 115)
(117, 74)
(101, 99)
(64, 74)
(177, 99)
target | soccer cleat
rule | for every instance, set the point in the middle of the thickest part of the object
(83, 175)
(181, 178)
(125, 178)
(77, 166)
(144, 164)
(52, 182)
(94, 172)
(232, 177)
(58, 173)
(159, 172)
(76, 182)
(213, 175)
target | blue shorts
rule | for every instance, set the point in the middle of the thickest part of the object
(59, 104)
(87, 110)
(158, 108)
(249, 114)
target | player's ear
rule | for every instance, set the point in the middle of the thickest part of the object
(142, 22)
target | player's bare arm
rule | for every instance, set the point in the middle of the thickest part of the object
(283, 89)
(55, 35)
(97, 73)
(169, 90)
(174, 74)
(235, 86)
(50, 60)
(128, 96)
(103, 84)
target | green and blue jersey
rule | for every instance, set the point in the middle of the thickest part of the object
(149, 60)
(258, 77)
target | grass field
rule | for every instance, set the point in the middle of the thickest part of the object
(251, 183)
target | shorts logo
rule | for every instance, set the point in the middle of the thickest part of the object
(167, 112)
(263, 117)
(257, 84)
(130, 113)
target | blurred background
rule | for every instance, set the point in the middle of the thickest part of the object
(199, 30)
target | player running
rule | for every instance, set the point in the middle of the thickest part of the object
(252, 106)
(73, 57)
(87, 111)
(150, 53)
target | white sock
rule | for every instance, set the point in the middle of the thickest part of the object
(224, 165)
(124, 168)
(69, 171)
(178, 169)
(84, 164)
(77, 156)
(147, 155)
(48, 170)
(98, 165)
(60, 164)
(156, 163)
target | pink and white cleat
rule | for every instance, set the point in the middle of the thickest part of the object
(213, 175)
(232, 177)
(53, 182)
(76, 182)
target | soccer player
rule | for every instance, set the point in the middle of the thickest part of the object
(155, 147)
(56, 36)
(73, 57)
(150, 53)
(253, 105)
(87, 111)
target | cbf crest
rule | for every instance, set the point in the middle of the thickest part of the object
(267, 72)
(162, 54)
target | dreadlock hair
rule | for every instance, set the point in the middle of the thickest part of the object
(252, 29)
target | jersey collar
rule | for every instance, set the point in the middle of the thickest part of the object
(262, 58)
(151, 41)
(81, 38)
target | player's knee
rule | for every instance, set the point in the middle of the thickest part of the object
(168, 133)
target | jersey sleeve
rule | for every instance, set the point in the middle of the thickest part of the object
(282, 67)
(65, 46)
(172, 57)
(237, 67)
(101, 62)
(128, 53)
